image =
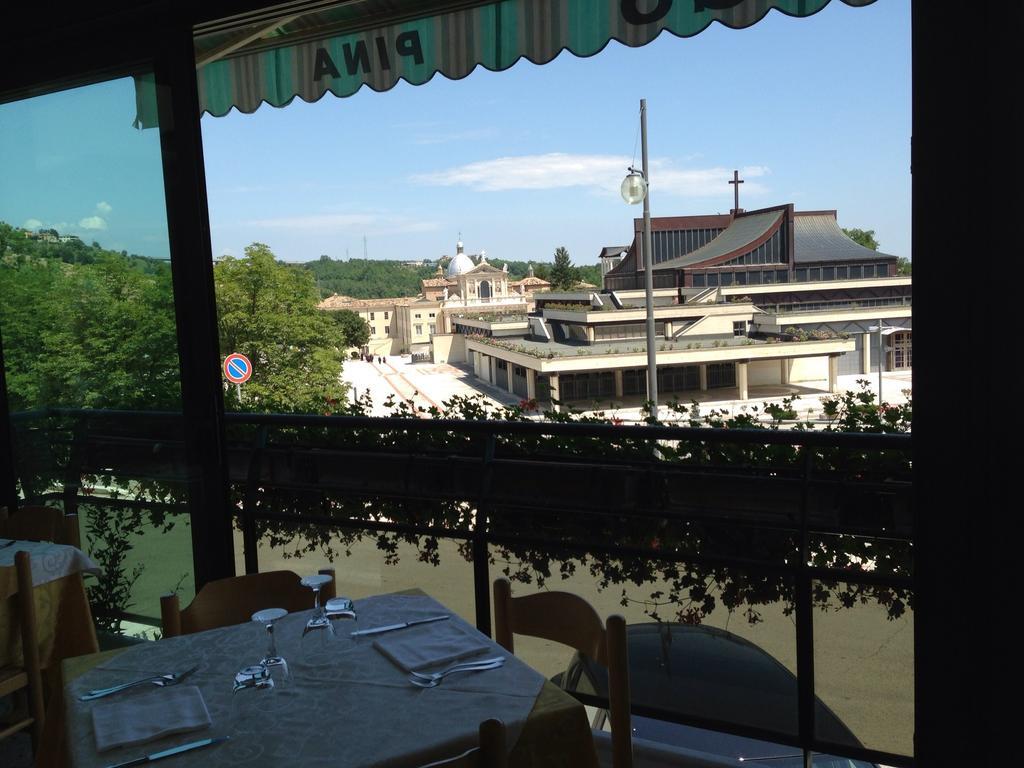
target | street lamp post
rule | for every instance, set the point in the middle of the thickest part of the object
(881, 359)
(636, 188)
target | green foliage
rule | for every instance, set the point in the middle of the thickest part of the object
(903, 266)
(677, 587)
(366, 278)
(108, 537)
(87, 328)
(564, 276)
(268, 311)
(355, 332)
(865, 237)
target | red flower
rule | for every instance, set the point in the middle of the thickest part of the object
(528, 405)
(616, 421)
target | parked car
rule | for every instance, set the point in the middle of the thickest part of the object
(712, 673)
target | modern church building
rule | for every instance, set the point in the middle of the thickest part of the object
(772, 297)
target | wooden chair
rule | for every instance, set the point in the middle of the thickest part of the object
(27, 678)
(234, 600)
(492, 752)
(570, 620)
(40, 524)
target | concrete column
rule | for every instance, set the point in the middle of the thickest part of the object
(590, 334)
(784, 371)
(508, 381)
(618, 382)
(833, 373)
(668, 329)
(865, 352)
(553, 388)
(531, 384)
(741, 379)
(703, 377)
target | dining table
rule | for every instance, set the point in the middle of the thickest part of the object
(64, 624)
(350, 702)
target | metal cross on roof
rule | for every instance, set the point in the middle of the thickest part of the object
(736, 180)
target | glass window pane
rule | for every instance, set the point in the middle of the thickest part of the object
(88, 326)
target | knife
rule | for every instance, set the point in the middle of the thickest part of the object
(389, 627)
(171, 752)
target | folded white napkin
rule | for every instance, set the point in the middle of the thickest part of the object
(138, 718)
(429, 645)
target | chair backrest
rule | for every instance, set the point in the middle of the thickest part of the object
(559, 616)
(234, 600)
(492, 752)
(570, 620)
(29, 675)
(41, 524)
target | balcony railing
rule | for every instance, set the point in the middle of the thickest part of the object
(794, 517)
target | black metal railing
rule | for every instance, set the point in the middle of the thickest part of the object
(767, 504)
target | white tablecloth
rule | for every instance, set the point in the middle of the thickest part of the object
(49, 563)
(357, 710)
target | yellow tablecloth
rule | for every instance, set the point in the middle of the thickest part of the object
(63, 621)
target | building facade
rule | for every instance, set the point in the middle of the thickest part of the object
(773, 297)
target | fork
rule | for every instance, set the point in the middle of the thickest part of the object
(159, 680)
(432, 680)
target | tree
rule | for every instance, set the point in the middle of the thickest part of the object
(865, 237)
(99, 335)
(6, 235)
(564, 276)
(354, 330)
(268, 311)
(903, 266)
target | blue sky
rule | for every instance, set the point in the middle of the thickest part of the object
(813, 111)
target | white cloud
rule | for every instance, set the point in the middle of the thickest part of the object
(104, 208)
(32, 224)
(92, 223)
(360, 223)
(559, 170)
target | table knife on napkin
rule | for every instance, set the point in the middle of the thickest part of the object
(403, 625)
(171, 752)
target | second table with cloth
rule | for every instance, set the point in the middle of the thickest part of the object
(63, 620)
(356, 707)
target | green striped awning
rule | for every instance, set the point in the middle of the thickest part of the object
(316, 50)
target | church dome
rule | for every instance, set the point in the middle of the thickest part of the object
(459, 264)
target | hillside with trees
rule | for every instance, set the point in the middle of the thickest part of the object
(372, 279)
(87, 327)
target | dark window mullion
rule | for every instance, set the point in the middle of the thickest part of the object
(195, 307)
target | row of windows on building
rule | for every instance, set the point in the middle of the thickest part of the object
(670, 244)
(800, 275)
(626, 331)
(418, 328)
(387, 314)
(822, 306)
(598, 385)
(769, 252)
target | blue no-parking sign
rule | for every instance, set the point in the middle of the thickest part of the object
(237, 368)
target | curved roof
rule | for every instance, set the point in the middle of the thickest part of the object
(460, 263)
(743, 231)
(819, 238)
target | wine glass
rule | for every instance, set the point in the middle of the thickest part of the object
(273, 661)
(319, 618)
(342, 608)
(317, 632)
